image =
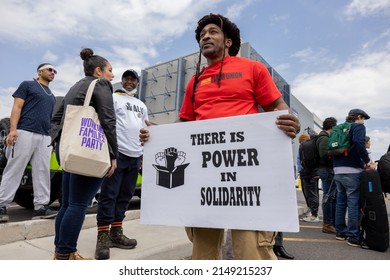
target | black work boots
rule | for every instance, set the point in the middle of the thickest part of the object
(119, 240)
(103, 244)
(114, 238)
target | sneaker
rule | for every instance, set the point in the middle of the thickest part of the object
(307, 214)
(311, 219)
(44, 212)
(340, 236)
(353, 242)
(364, 245)
(4, 218)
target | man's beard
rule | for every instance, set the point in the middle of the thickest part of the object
(212, 53)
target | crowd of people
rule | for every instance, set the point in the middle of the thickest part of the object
(124, 120)
(340, 175)
(35, 130)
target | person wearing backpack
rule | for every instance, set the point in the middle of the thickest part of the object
(325, 172)
(347, 175)
(309, 159)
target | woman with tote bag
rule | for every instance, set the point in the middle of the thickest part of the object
(78, 190)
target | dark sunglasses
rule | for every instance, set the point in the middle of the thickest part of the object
(51, 70)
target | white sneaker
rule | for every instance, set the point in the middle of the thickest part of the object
(307, 214)
(311, 219)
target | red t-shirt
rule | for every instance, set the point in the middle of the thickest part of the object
(245, 84)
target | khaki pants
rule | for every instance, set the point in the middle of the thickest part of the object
(247, 244)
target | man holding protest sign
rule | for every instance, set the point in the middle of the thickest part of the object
(229, 86)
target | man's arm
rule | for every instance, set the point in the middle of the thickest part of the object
(322, 144)
(358, 140)
(288, 123)
(14, 120)
(278, 104)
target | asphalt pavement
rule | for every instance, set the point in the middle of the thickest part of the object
(34, 240)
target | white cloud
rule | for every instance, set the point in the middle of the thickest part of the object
(380, 140)
(6, 101)
(367, 8)
(331, 93)
(69, 71)
(126, 21)
(382, 39)
(234, 11)
(282, 67)
(126, 32)
(318, 56)
(50, 56)
(362, 83)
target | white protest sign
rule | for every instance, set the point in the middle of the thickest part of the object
(234, 172)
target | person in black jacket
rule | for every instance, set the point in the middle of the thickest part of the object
(78, 190)
(309, 179)
(325, 171)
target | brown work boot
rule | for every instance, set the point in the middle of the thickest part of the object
(60, 257)
(75, 256)
(71, 256)
(103, 244)
(119, 240)
(328, 228)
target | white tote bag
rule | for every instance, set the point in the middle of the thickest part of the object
(83, 145)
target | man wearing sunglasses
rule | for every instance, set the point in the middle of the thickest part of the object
(29, 141)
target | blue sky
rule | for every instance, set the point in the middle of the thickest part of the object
(335, 54)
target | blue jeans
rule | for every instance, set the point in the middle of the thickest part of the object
(77, 193)
(328, 207)
(117, 190)
(348, 196)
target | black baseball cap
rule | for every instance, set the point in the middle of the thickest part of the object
(359, 112)
(130, 72)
